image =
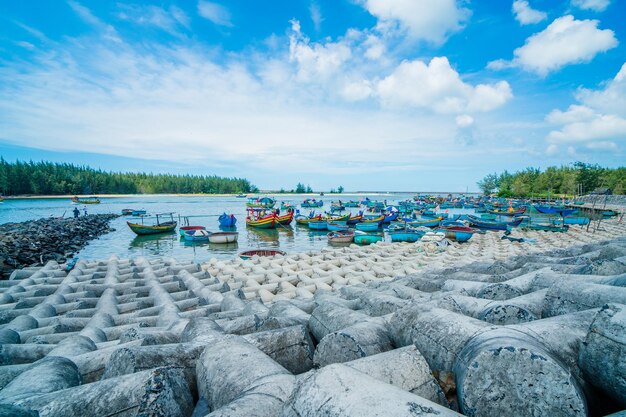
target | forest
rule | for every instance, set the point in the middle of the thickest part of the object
(47, 178)
(578, 178)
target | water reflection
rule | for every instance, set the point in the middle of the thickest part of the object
(155, 244)
(262, 237)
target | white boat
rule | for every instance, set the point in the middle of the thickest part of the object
(223, 237)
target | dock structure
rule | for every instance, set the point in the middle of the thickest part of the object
(535, 334)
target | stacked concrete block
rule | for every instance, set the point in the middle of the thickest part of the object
(539, 334)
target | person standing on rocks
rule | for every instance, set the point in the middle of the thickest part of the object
(85, 210)
(76, 212)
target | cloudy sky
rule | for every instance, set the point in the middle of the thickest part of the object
(368, 94)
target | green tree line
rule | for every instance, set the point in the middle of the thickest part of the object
(41, 178)
(564, 180)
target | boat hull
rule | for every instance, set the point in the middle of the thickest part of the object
(367, 227)
(406, 236)
(143, 230)
(223, 237)
(367, 238)
(318, 225)
(227, 220)
(341, 237)
(184, 229)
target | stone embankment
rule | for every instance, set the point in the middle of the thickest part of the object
(539, 334)
(34, 243)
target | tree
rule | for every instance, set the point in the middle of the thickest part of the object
(300, 188)
(340, 189)
(309, 189)
(488, 184)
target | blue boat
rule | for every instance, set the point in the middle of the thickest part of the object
(561, 211)
(227, 220)
(390, 216)
(493, 225)
(367, 227)
(196, 235)
(336, 226)
(318, 225)
(426, 222)
(458, 233)
(141, 212)
(407, 234)
(582, 221)
(362, 238)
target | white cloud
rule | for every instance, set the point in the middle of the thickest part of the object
(108, 31)
(598, 120)
(525, 14)
(315, 61)
(429, 20)
(215, 12)
(356, 91)
(375, 48)
(552, 150)
(316, 15)
(438, 86)
(169, 20)
(565, 41)
(464, 120)
(595, 5)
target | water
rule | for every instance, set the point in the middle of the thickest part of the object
(125, 244)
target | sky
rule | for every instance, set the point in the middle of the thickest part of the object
(397, 95)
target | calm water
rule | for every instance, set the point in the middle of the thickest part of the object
(205, 211)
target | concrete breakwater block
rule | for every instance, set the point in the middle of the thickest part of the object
(244, 338)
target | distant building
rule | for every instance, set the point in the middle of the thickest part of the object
(601, 191)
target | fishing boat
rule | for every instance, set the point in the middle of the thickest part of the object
(492, 224)
(287, 206)
(559, 210)
(390, 216)
(196, 235)
(304, 220)
(581, 221)
(87, 200)
(458, 233)
(342, 236)
(260, 252)
(312, 203)
(141, 212)
(265, 202)
(406, 234)
(318, 224)
(227, 220)
(223, 237)
(362, 238)
(426, 222)
(509, 213)
(337, 226)
(351, 204)
(261, 222)
(355, 219)
(373, 219)
(285, 219)
(367, 226)
(127, 212)
(547, 227)
(159, 227)
(184, 229)
(241, 195)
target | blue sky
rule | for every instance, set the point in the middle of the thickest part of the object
(368, 94)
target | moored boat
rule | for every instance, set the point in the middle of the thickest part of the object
(547, 227)
(86, 200)
(140, 212)
(492, 224)
(337, 226)
(367, 226)
(159, 227)
(223, 237)
(509, 213)
(426, 222)
(241, 195)
(197, 235)
(458, 233)
(261, 222)
(315, 224)
(355, 219)
(265, 202)
(582, 221)
(407, 234)
(312, 203)
(260, 252)
(285, 219)
(343, 236)
(560, 210)
(362, 238)
(127, 212)
(351, 204)
(184, 229)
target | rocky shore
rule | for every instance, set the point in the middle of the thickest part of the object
(533, 334)
(34, 243)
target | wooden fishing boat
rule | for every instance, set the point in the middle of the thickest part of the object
(223, 237)
(373, 219)
(141, 212)
(408, 234)
(227, 220)
(547, 227)
(304, 220)
(265, 222)
(351, 204)
(184, 229)
(559, 210)
(362, 238)
(127, 212)
(287, 206)
(355, 219)
(312, 203)
(581, 221)
(159, 227)
(241, 195)
(260, 252)
(337, 226)
(318, 224)
(342, 236)
(196, 235)
(492, 224)
(265, 202)
(87, 200)
(285, 219)
(458, 233)
(389, 217)
(509, 213)
(426, 222)
(367, 226)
